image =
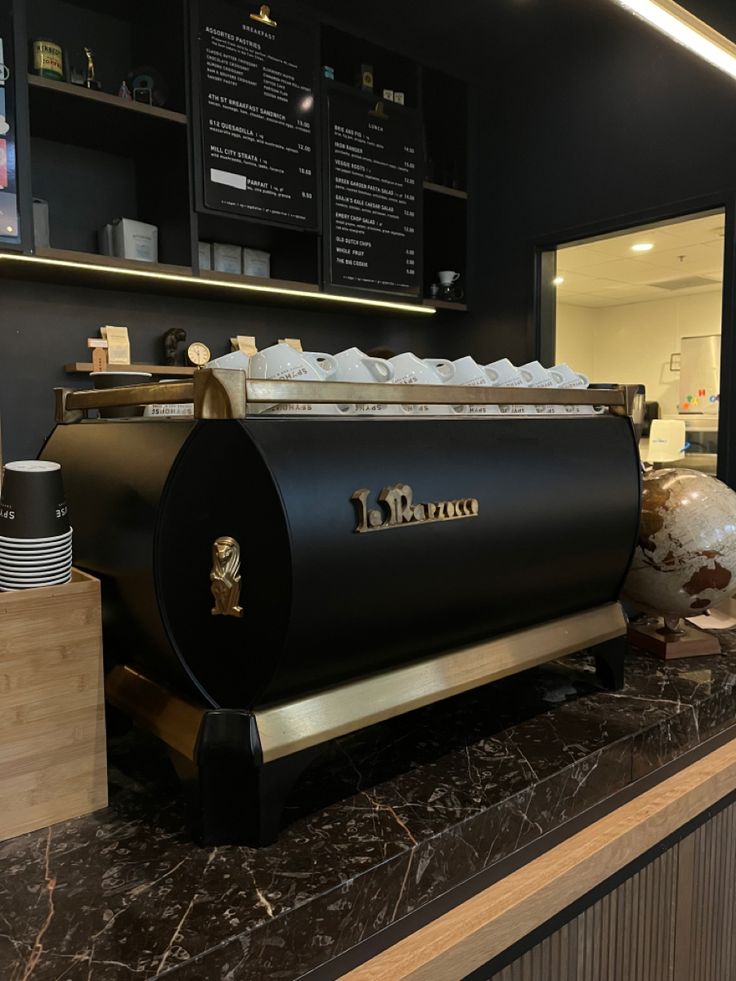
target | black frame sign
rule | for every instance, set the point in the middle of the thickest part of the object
(373, 196)
(9, 226)
(255, 88)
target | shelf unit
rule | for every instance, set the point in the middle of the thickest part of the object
(102, 272)
(95, 157)
(58, 91)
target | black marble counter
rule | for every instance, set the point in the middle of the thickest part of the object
(384, 823)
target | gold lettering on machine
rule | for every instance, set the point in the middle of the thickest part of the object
(397, 509)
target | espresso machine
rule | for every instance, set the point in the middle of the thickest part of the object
(271, 582)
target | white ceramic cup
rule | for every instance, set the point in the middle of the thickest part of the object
(411, 370)
(469, 374)
(535, 375)
(355, 366)
(504, 374)
(448, 276)
(567, 377)
(282, 362)
(237, 360)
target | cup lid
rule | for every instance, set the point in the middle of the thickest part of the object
(32, 466)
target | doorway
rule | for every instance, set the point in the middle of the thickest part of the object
(644, 306)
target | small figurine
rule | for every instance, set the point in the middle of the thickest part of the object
(172, 339)
(225, 579)
(124, 92)
(91, 80)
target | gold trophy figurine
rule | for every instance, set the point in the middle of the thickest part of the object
(91, 81)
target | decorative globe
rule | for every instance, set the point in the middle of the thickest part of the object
(685, 561)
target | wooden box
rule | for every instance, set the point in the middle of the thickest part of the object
(52, 722)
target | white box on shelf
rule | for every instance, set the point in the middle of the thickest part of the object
(104, 240)
(256, 263)
(205, 255)
(135, 240)
(41, 232)
(227, 258)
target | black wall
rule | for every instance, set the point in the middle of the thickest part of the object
(582, 119)
(599, 123)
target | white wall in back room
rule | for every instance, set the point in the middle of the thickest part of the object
(576, 337)
(633, 343)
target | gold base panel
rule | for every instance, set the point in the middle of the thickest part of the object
(315, 718)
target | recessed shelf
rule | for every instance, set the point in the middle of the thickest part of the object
(258, 281)
(104, 272)
(445, 305)
(97, 120)
(82, 259)
(451, 192)
(105, 99)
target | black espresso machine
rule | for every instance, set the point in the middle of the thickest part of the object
(273, 581)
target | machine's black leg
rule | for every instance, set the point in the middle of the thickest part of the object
(609, 662)
(240, 798)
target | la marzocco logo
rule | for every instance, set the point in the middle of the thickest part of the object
(397, 509)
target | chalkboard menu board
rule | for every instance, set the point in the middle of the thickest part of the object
(373, 196)
(9, 231)
(256, 92)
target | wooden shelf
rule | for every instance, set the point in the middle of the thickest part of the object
(236, 280)
(105, 99)
(69, 268)
(159, 370)
(445, 305)
(451, 192)
(113, 262)
(99, 121)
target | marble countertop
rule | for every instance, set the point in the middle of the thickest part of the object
(385, 822)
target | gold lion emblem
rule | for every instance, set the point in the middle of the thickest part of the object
(225, 578)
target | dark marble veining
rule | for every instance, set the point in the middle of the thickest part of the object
(384, 822)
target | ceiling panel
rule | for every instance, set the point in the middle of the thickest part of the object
(606, 272)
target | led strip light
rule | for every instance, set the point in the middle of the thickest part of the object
(686, 29)
(205, 283)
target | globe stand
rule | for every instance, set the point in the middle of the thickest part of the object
(669, 638)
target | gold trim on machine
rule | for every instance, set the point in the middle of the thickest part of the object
(291, 726)
(220, 393)
(304, 722)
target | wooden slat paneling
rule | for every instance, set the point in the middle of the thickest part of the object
(628, 935)
(705, 947)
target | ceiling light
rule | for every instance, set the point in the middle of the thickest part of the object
(558, 280)
(686, 29)
(642, 247)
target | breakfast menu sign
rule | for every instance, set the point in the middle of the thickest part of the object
(257, 79)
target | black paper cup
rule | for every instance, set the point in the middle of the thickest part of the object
(32, 501)
(118, 379)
